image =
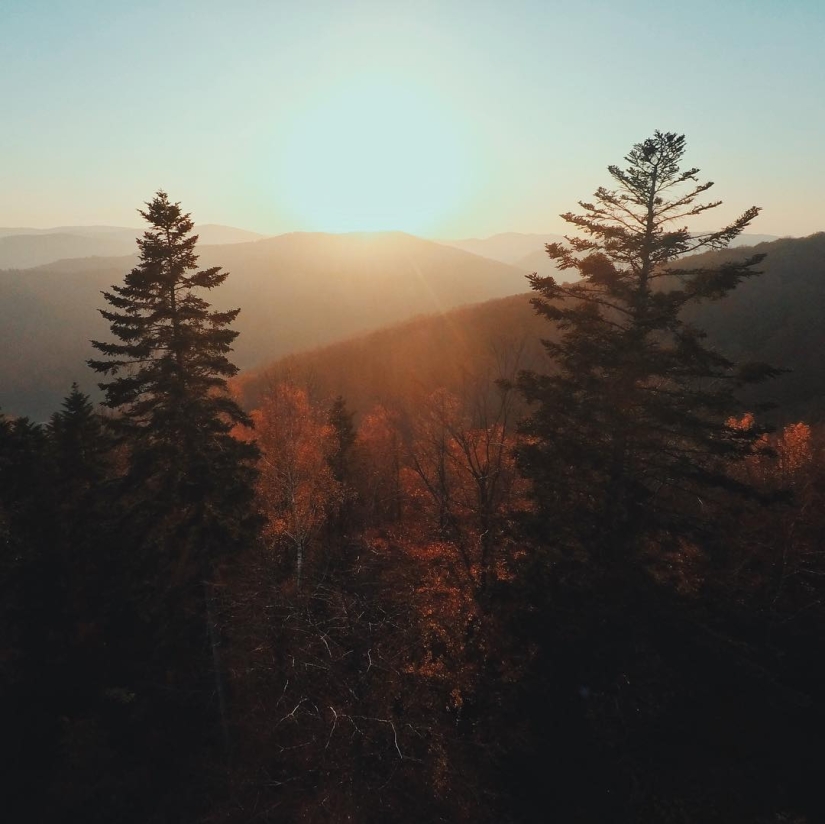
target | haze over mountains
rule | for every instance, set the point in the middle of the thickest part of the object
(26, 247)
(526, 251)
(296, 291)
(508, 247)
(773, 317)
(22, 248)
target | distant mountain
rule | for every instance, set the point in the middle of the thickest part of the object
(774, 317)
(508, 247)
(752, 240)
(541, 264)
(777, 317)
(526, 251)
(25, 248)
(86, 231)
(213, 234)
(295, 291)
(25, 251)
(301, 291)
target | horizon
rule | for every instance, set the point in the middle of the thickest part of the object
(56, 229)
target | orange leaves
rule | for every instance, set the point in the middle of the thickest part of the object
(743, 424)
(780, 459)
(794, 449)
(297, 490)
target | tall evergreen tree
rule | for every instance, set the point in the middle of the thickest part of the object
(188, 488)
(168, 383)
(79, 445)
(629, 433)
(26, 487)
(82, 464)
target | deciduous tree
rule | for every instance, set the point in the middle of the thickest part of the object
(297, 488)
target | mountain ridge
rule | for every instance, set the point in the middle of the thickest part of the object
(773, 317)
(295, 291)
(304, 290)
(30, 248)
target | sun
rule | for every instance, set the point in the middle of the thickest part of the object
(374, 156)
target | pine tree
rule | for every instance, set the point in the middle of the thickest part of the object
(629, 433)
(168, 383)
(79, 445)
(26, 484)
(187, 493)
(83, 462)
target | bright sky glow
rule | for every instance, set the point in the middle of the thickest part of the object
(371, 155)
(451, 118)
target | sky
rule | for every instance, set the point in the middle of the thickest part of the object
(446, 119)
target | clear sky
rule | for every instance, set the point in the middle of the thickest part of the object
(443, 118)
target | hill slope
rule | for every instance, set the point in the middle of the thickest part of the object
(395, 366)
(295, 292)
(775, 317)
(526, 251)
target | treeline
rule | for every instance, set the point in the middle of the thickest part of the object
(587, 594)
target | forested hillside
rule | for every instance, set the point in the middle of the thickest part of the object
(301, 290)
(297, 291)
(772, 318)
(396, 366)
(777, 318)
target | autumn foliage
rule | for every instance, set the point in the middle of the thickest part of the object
(297, 492)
